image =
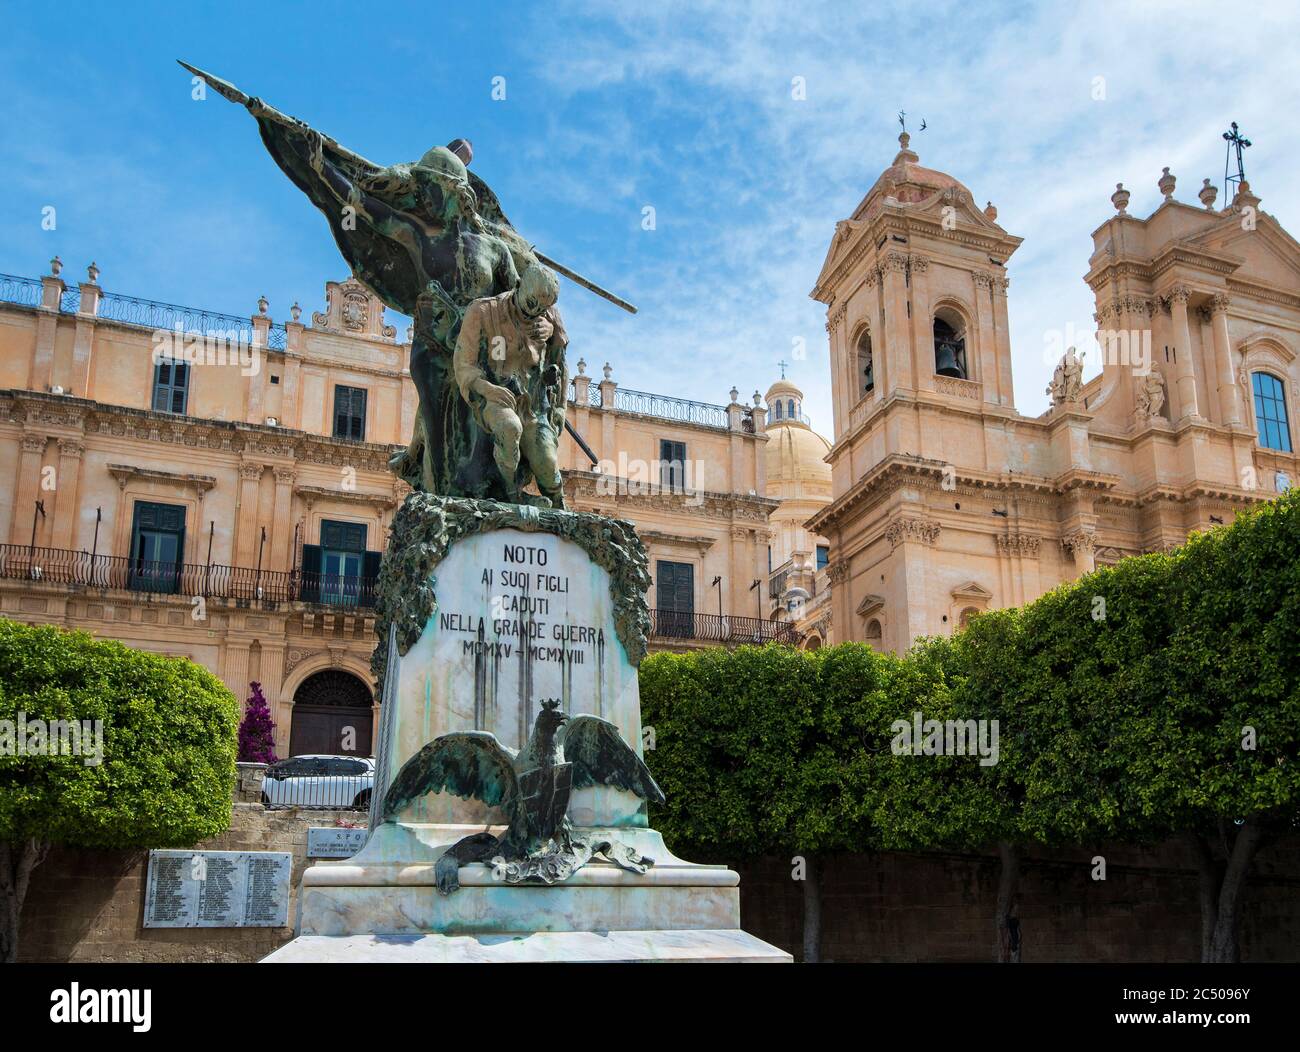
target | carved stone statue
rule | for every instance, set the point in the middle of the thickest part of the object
(1067, 380)
(429, 238)
(1150, 395)
(509, 367)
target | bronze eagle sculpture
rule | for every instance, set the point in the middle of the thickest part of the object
(532, 788)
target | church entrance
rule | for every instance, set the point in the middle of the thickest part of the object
(332, 714)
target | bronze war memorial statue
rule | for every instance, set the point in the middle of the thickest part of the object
(509, 816)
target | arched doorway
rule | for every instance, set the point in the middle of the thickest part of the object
(332, 714)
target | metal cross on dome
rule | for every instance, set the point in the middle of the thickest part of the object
(783, 363)
(1238, 142)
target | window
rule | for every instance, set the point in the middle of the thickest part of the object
(949, 346)
(672, 464)
(157, 547)
(789, 409)
(350, 412)
(171, 384)
(866, 365)
(675, 599)
(778, 409)
(823, 556)
(1270, 412)
(339, 571)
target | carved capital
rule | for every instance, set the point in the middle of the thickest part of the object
(285, 476)
(919, 264)
(1021, 544)
(33, 443)
(893, 263)
(1219, 303)
(983, 280)
(837, 571)
(251, 472)
(1079, 541)
(920, 531)
(1180, 294)
(70, 448)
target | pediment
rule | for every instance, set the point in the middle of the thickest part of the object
(1267, 253)
(972, 591)
(870, 604)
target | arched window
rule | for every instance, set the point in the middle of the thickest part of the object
(874, 636)
(778, 409)
(865, 365)
(965, 617)
(789, 409)
(1270, 412)
(949, 344)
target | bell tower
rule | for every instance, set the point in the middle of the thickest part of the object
(915, 290)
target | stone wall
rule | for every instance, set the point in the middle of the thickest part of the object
(89, 905)
(939, 907)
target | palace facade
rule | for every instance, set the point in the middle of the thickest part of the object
(946, 500)
(230, 503)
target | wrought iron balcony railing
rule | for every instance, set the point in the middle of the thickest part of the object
(241, 583)
(715, 628)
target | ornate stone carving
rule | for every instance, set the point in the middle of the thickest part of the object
(426, 526)
(921, 531)
(1180, 294)
(837, 571)
(1067, 381)
(1022, 544)
(251, 472)
(918, 264)
(71, 448)
(352, 308)
(1150, 397)
(1219, 303)
(1079, 541)
(34, 443)
(893, 263)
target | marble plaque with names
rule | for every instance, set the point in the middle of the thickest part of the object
(217, 889)
(334, 841)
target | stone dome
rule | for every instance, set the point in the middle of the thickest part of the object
(907, 182)
(795, 452)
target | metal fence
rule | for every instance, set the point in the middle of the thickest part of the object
(715, 628)
(146, 314)
(213, 581)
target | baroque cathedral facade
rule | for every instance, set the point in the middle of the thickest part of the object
(945, 499)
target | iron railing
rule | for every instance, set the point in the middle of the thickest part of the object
(24, 291)
(715, 628)
(664, 407)
(213, 581)
(341, 783)
(143, 313)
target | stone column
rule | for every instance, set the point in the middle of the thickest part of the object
(255, 411)
(282, 522)
(1080, 545)
(1002, 339)
(246, 535)
(28, 489)
(985, 341)
(1185, 369)
(1229, 392)
(922, 328)
(52, 289)
(897, 344)
(65, 509)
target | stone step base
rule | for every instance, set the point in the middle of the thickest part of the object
(711, 945)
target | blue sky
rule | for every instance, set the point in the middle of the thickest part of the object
(610, 108)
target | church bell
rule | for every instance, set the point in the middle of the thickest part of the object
(947, 360)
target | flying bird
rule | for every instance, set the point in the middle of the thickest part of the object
(532, 788)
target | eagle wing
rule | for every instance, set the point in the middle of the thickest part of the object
(600, 756)
(468, 764)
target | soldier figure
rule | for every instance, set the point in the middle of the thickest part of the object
(509, 367)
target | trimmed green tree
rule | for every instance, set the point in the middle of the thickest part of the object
(108, 747)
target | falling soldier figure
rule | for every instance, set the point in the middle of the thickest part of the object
(509, 366)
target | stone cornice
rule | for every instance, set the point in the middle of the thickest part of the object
(312, 494)
(125, 472)
(89, 417)
(703, 544)
(582, 486)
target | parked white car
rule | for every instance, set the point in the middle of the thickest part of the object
(318, 780)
